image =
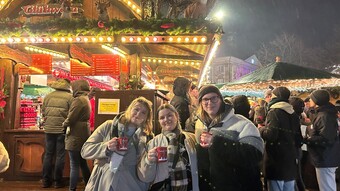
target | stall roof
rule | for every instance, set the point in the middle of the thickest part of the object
(190, 54)
(283, 71)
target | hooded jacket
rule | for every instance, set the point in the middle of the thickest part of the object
(181, 99)
(323, 138)
(55, 107)
(282, 136)
(78, 117)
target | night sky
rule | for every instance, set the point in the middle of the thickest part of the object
(253, 22)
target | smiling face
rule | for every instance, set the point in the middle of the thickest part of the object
(211, 104)
(139, 114)
(167, 119)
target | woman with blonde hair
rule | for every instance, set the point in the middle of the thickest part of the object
(176, 169)
(116, 146)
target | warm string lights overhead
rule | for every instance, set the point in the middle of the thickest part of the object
(3, 3)
(75, 39)
(115, 50)
(208, 62)
(164, 39)
(132, 6)
(45, 51)
(301, 85)
(177, 62)
(36, 69)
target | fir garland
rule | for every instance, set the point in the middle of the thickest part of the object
(88, 27)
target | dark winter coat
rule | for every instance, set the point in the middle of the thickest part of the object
(282, 136)
(181, 100)
(232, 161)
(55, 107)
(78, 117)
(323, 138)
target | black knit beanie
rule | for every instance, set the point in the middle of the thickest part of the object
(281, 93)
(208, 89)
(320, 97)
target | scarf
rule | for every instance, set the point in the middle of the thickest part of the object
(178, 174)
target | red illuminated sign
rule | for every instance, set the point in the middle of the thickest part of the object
(41, 64)
(105, 64)
(79, 69)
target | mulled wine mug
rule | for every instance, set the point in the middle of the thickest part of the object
(122, 143)
(202, 141)
(162, 154)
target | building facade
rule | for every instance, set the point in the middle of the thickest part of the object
(228, 69)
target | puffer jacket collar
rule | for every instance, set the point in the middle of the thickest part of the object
(62, 85)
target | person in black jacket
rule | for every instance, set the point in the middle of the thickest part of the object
(323, 140)
(282, 135)
(78, 131)
(298, 106)
(181, 101)
(230, 148)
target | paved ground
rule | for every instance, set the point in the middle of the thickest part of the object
(31, 186)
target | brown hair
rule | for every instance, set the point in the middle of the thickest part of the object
(171, 108)
(205, 117)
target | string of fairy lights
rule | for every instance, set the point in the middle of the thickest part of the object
(3, 3)
(103, 39)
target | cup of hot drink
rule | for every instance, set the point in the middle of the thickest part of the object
(122, 143)
(162, 154)
(202, 141)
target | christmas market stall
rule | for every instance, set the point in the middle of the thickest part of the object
(135, 46)
(297, 78)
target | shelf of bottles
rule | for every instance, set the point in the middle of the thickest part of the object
(29, 114)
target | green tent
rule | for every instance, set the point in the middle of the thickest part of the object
(283, 71)
(268, 74)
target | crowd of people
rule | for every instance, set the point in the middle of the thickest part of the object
(206, 142)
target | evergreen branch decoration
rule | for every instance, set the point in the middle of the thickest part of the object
(87, 27)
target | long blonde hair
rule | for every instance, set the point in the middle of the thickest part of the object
(147, 124)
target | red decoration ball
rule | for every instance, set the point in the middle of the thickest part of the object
(101, 24)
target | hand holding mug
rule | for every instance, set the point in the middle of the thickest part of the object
(112, 144)
(206, 139)
(152, 155)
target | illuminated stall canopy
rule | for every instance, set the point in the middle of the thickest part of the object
(297, 78)
(146, 39)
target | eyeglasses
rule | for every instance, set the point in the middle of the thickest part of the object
(213, 99)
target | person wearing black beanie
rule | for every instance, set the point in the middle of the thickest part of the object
(282, 135)
(322, 140)
(320, 97)
(229, 143)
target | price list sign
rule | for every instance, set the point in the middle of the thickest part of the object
(41, 64)
(79, 69)
(105, 64)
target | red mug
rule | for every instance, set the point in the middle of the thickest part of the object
(122, 143)
(201, 140)
(162, 154)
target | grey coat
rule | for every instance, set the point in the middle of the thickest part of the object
(56, 106)
(78, 117)
(125, 178)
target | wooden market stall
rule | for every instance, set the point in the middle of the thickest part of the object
(133, 44)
